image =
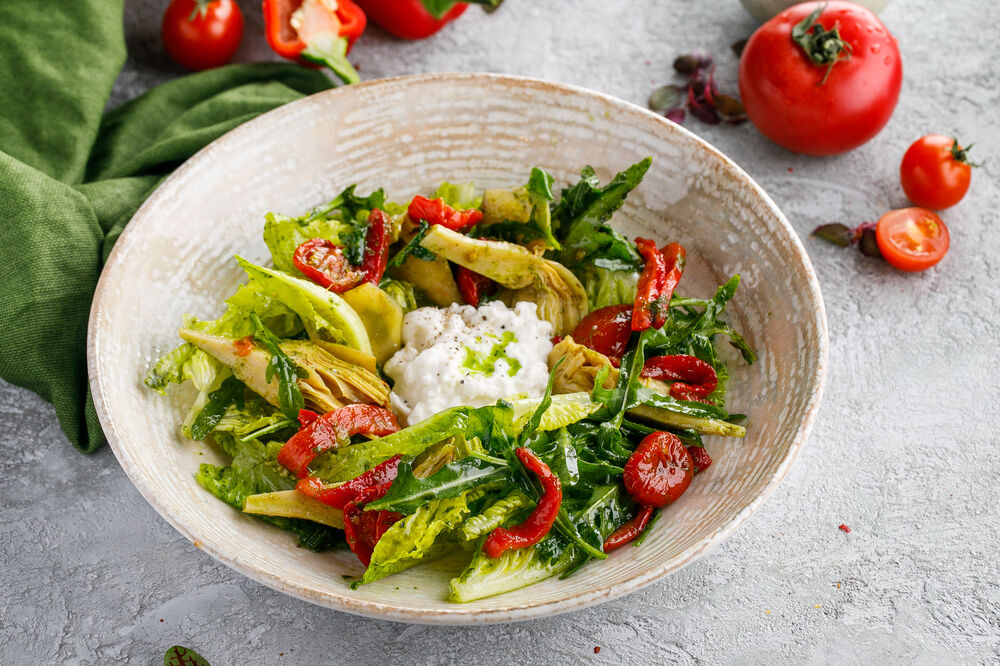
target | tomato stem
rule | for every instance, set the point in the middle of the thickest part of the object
(823, 47)
(961, 155)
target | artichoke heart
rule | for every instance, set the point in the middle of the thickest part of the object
(561, 299)
(330, 382)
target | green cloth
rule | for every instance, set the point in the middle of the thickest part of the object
(71, 176)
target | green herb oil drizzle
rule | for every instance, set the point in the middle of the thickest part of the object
(476, 361)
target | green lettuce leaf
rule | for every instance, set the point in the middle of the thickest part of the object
(608, 287)
(497, 514)
(420, 536)
(284, 234)
(486, 576)
(460, 196)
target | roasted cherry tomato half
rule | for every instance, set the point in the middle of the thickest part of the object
(912, 239)
(201, 35)
(606, 330)
(325, 264)
(659, 471)
(935, 172)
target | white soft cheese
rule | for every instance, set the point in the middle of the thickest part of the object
(463, 355)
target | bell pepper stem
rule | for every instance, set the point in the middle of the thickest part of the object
(330, 50)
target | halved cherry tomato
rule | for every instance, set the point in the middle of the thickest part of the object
(912, 239)
(935, 172)
(331, 430)
(325, 264)
(659, 471)
(436, 211)
(201, 34)
(606, 330)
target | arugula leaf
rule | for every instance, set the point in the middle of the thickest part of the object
(289, 396)
(539, 190)
(229, 393)
(414, 247)
(618, 399)
(408, 492)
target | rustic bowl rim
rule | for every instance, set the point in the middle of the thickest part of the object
(461, 614)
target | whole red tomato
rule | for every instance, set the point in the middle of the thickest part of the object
(935, 172)
(821, 78)
(201, 34)
(408, 19)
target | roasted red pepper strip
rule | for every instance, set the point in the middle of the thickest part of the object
(660, 275)
(376, 247)
(629, 530)
(473, 286)
(332, 430)
(363, 529)
(692, 377)
(307, 416)
(536, 525)
(325, 264)
(318, 35)
(700, 458)
(436, 211)
(340, 496)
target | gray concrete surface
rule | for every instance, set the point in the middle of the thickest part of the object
(905, 450)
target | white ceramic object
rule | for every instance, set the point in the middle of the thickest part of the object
(762, 10)
(407, 135)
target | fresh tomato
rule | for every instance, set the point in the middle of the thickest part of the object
(409, 19)
(201, 34)
(606, 330)
(325, 264)
(912, 239)
(935, 172)
(659, 471)
(821, 90)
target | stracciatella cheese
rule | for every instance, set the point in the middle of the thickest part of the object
(462, 355)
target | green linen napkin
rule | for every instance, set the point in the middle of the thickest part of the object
(72, 176)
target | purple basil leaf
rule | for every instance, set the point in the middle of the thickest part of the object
(702, 111)
(686, 64)
(666, 98)
(868, 244)
(676, 115)
(729, 106)
(836, 233)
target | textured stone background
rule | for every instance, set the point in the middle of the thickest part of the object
(904, 451)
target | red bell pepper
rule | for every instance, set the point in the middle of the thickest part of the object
(307, 416)
(325, 264)
(629, 530)
(693, 378)
(315, 31)
(412, 19)
(363, 529)
(473, 286)
(660, 275)
(340, 496)
(331, 430)
(376, 247)
(541, 519)
(436, 211)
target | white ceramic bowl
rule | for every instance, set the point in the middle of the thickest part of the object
(407, 135)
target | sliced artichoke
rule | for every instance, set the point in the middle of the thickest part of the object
(434, 278)
(561, 299)
(580, 368)
(330, 382)
(382, 316)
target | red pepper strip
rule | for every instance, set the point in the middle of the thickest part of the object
(676, 259)
(649, 306)
(436, 211)
(325, 264)
(409, 19)
(629, 530)
(700, 458)
(536, 525)
(340, 496)
(332, 430)
(376, 247)
(316, 39)
(692, 377)
(307, 416)
(473, 286)
(363, 529)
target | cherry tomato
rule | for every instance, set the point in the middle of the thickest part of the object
(935, 172)
(912, 239)
(325, 264)
(408, 19)
(201, 34)
(606, 330)
(815, 108)
(659, 471)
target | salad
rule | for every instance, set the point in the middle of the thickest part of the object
(497, 376)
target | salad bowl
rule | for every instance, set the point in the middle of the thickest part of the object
(406, 135)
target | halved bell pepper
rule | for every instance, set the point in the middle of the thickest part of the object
(315, 31)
